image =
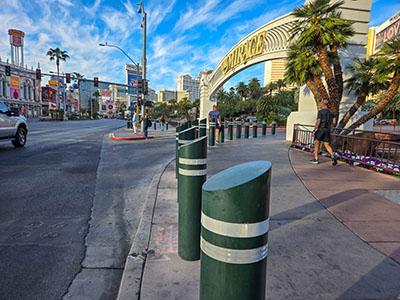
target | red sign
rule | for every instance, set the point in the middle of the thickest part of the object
(16, 32)
(16, 40)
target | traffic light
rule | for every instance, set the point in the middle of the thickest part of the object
(96, 81)
(38, 74)
(139, 101)
(146, 87)
(8, 71)
(68, 77)
(140, 86)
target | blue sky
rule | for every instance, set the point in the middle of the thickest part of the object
(184, 37)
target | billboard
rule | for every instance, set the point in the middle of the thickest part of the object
(16, 37)
(14, 87)
(132, 81)
(390, 32)
(105, 96)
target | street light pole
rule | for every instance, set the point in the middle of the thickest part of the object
(64, 94)
(144, 59)
(136, 64)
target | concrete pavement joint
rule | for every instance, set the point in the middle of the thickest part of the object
(135, 262)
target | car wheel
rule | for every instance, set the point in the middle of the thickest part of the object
(20, 138)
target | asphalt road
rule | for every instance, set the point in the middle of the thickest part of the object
(70, 200)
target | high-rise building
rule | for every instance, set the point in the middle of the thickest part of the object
(378, 36)
(190, 85)
(166, 95)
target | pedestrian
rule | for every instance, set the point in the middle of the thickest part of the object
(146, 124)
(215, 114)
(134, 121)
(162, 123)
(322, 131)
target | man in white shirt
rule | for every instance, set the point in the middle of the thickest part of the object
(134, 121)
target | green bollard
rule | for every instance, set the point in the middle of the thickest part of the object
(129, 124)
(255, 127)
(203, 127)
(264, 128)
(155, 126)
(178, 128)
(211, 133)
(192, 175)
(234, 234)
(184, 137)
(238, 129)
(189, 122)
(230, 130)
(195, 124)
(246, 129)
(221, 136)
(273, 127)
(166, 125)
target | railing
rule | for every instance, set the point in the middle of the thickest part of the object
(370, 149)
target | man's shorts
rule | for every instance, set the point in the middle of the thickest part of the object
(217, 126)
(323, 134)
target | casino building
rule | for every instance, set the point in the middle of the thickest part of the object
(18, 84)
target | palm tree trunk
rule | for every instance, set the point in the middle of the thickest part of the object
(241, 95)
(320, 86)
(389, 94)
(360, 101)
(337, 69)
(323, 59)
(58, 84)
(315, 91)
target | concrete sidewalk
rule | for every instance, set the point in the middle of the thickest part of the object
(312, 254)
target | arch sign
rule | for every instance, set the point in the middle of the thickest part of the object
(241, 54)
(270, 42)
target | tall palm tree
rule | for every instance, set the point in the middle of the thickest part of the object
(221, 96)
(394, 105)
(79, 77)
(270, 88)
(388, 65)
(185, 105)
(241, 88)
(254, 88)
(280, 83)
(93, 106)
(57, 55)
(362, 82)
(303, 68)
(320, 26)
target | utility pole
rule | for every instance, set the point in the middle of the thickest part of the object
(144, 59)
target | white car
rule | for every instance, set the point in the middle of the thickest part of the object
(12, 126)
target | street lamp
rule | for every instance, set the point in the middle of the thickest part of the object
(136, 64)
(144, 59)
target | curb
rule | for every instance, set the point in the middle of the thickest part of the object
(132, 275)
(113, 137)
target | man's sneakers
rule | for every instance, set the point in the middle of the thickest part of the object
(216, 141)
(314, 161)
(334, 161)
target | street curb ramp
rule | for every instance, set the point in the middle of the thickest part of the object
(132, 275)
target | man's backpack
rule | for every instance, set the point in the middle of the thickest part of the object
(149, 123)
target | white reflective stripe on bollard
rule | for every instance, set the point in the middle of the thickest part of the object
(185, 141)
(234, 256)
(193, 172)
(237, 230)
(193, 162)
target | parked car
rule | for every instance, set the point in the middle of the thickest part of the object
(12, 126)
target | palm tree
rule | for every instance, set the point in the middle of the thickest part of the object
(57, 55)
(254, 88)
(221, 96)
(185, 105)
(321, 27)
(270, 87)
(303, 68)
(394, 105)
(79, 77)
(362, 82)
(196, 104)
(241, 88)
(280, 83)
(266, 105)
(95, 94)
(388, 65)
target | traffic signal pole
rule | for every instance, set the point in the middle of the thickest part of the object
(144, 63)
